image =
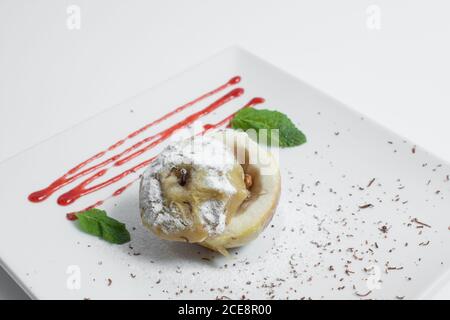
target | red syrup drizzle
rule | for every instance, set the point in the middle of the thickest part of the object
(135, 151)
(81, 189)
(75, 173)
(71, 216)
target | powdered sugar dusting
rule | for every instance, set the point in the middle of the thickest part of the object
(208, 162)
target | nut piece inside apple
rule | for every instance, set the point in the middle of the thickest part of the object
(220, 191)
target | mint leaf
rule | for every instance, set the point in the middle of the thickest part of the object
(97, 223)
(249, 118)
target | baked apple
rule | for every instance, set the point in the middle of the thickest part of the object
(219, 190)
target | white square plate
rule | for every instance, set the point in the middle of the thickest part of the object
(320, 244)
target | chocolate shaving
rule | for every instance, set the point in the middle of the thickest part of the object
(394, 268)
(363, 294)
(420, 223)
(371, 182)
(348, 272)
(365, 206)
(383, 229)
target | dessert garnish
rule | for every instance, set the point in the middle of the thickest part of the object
(96, 222)
(288, 134)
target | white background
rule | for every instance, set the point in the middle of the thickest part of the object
(52, 78)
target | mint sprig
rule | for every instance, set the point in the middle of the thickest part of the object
(250, 118)
(96, 222)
